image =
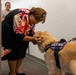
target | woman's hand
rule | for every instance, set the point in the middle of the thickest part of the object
(37, 40)
(2, 19)
(34, 39)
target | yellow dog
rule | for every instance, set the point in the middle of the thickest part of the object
(67, 56)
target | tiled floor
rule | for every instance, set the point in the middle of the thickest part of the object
(30, 66)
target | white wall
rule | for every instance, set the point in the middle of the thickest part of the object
(60, 22)
(21, 3)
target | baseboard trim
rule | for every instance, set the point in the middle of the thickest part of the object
(38, 60)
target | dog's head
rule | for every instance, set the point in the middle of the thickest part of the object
(46, 39)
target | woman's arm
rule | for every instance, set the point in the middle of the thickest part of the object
(37, 40)
(28, 38)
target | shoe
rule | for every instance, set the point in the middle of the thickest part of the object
(20, 73)
(9, 73)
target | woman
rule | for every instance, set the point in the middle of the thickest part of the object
(17, 32)
(6, 10)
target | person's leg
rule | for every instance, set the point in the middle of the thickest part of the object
(18, 64)
(12, 67)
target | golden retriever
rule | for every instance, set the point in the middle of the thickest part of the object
(67, 56)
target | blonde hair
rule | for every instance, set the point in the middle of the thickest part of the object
(38, 13)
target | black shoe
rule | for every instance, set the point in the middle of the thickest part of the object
(20, 73)
(9, 73)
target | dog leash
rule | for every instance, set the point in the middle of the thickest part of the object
(73, 39)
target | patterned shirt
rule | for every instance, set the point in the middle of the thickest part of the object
(21, 24)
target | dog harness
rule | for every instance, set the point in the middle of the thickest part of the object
(56, 47)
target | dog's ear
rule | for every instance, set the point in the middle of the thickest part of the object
(38, 33)
(45, 32)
